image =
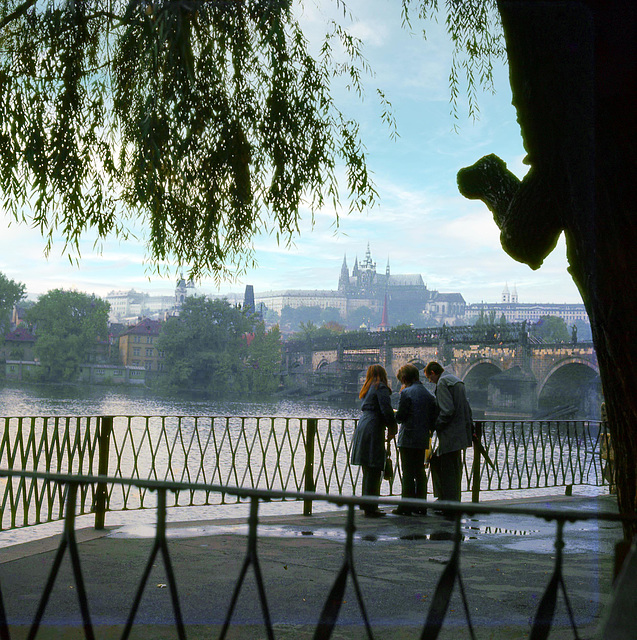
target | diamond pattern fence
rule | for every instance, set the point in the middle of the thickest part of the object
(271, 453)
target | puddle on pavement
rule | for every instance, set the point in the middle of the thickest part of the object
(468, 532)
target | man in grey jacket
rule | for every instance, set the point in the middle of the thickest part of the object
(454, 426)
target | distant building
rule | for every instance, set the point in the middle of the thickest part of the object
(111, 374)
(137, 346)
(130, 306)
(183, 290)
(248, 299)
(18, 344)
(446, 308)
(515, 311)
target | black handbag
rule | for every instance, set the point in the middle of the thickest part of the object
(388, 473)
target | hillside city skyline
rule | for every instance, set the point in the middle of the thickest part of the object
(362, 295)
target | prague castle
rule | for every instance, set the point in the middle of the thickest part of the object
(403, 296)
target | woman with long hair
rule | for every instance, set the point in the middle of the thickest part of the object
(368, 444)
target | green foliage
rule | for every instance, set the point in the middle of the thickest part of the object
(485, 319)
(475, 29)
(11, 292)
(271, 317)
(331, 315)
(363, 316)
(68, 326)
(206, 120)
(551, 329)
(202, 121)
(405, 317)
(264, 360)
(215, 347)
(334, 327)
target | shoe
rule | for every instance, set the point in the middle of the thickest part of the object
(375, 514)
(401, 512)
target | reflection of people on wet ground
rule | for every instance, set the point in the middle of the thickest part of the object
(416, 414)
(454, 426)
(368, 444)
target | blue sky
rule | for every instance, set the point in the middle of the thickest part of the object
(421, 224)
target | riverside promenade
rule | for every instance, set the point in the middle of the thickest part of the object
(505, 563)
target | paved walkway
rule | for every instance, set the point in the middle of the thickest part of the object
(506, 564)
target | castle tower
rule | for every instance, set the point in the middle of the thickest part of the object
(506, 296)
(248, 299)
(343, 280)
(368, 272)
(355, 270)
(180, 291)
(514, 295)
(369, 265)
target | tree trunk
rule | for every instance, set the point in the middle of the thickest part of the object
(573, 76)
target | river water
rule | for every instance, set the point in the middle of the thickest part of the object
(71, 400)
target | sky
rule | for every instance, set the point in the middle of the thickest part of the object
(421, 224)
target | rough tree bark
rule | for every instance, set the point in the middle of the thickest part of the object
(573, 73)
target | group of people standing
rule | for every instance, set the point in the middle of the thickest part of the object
(419, 414)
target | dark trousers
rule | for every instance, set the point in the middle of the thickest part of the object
(412, 463)
(449, 476)
(372, 478)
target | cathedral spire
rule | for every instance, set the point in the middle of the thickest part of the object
(384, 323)
(343, 280)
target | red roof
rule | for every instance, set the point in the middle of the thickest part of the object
(146, 327)
(20, 335)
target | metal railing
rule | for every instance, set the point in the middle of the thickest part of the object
(493, 334)
(450, 578)
(278, 454)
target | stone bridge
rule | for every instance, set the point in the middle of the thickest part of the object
(506, 373)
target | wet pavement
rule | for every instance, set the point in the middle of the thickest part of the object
(506, 563)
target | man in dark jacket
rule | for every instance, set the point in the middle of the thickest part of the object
(416, 414)
(454, 426)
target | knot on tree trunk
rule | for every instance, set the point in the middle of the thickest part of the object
(526, 211)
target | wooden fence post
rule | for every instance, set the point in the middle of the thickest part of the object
(310, 484)
(101, 493)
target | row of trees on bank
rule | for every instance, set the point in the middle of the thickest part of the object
(215, 347)
(211, 346)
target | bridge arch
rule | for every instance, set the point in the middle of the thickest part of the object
(573, 382)
(476, 381)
